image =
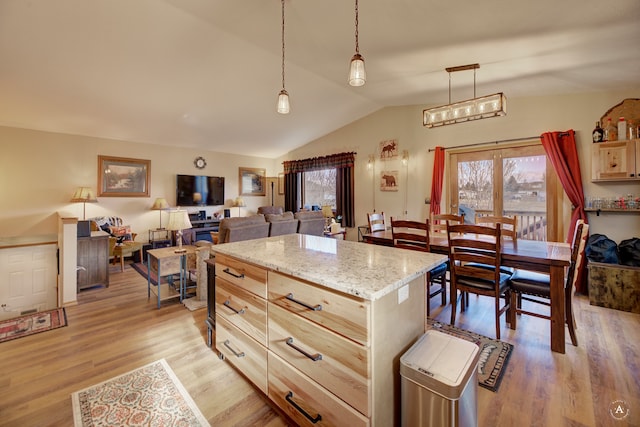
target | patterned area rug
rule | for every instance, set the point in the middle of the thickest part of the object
(150, 395)
(32, 324)
(494, 354)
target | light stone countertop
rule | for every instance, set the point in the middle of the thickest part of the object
(364, 270)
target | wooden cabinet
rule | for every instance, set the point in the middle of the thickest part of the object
(93, 260)
(616, 161)
(324, 357)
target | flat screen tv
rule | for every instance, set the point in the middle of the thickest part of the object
(192, 190)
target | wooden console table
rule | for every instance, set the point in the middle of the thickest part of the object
(166, 262)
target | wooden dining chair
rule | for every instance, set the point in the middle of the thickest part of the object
(439, 221)
(535, 287)
(472, 248)
(509, 224)
(414, 235)
(376, 222)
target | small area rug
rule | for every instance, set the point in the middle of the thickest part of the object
(150, 395)
(33, 323)
(494, 354)
(193, 304)
(142, 268)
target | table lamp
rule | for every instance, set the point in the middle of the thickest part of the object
(159, 205)
(178, 221)
(84, 195)
(327, 212)
(239, 203)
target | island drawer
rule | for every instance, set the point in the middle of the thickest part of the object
(249, 357)
(336, 363)
(243, 274)
(305, 402)
(346, 315)
(243, 309)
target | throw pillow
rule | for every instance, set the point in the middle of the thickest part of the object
(121, 231)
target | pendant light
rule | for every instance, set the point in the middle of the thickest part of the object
(283, 96)
(357, 74)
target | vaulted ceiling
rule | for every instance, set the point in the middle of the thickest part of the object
(206, 73)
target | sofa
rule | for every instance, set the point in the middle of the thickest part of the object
(282, 223)
(241, 228)
(311, 222)
(274, 210)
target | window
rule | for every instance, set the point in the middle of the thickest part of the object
(512, 182)
(319, 188)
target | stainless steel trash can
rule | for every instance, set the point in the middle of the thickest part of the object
(439, 382)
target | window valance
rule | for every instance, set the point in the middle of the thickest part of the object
(341, 160)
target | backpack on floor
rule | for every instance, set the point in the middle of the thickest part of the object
(629, 251)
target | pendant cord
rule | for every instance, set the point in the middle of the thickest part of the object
(282, 44)
(357, 45)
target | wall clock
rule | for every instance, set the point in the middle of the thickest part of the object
(200, 162)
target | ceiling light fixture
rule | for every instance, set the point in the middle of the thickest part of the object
(357, 74)
(283, 96)
(463, 111)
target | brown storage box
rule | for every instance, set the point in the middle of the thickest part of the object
(614, 286)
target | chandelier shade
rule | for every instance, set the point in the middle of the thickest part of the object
(475, 108)
(472, 109)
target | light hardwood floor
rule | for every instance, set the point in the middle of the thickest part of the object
(115, 330)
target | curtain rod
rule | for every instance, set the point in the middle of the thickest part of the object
(490, 142)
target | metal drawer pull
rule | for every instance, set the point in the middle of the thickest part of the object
(228, 304)
(316, 308)
(314, 357)
(226, 344)
(229, 272)
(289, 398)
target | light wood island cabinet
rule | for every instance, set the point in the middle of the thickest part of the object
(319, 324)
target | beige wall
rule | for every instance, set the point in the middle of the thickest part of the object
(39, 172)
(526, 117)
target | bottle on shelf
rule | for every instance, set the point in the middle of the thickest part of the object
(622, 128)
(598, 133)
(632, 130)
(611, 131)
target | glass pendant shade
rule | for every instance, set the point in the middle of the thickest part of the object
(357, 74)
(283, 102)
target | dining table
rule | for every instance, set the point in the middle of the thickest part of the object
(534, 255)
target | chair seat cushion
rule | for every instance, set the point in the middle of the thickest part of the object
(482, 283)
(505, 270)
(530, 282)
(437, 271)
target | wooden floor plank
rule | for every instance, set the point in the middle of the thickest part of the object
(117, 329)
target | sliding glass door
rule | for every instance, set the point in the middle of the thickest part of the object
(514, 181)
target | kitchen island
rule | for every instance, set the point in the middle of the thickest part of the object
(319, 324)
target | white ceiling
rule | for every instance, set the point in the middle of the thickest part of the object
(206, 73)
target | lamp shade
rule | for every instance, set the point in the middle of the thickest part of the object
(178, 220)
(327, 212)
(160, 204)
(84, 195)
(239, 202)
(357, 74)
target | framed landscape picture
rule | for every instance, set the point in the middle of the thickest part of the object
(252, 181)
(123, 177)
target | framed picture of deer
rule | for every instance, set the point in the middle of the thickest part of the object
(389, 181)
(389, 149)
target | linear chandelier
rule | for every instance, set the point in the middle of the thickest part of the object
(464, 111)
